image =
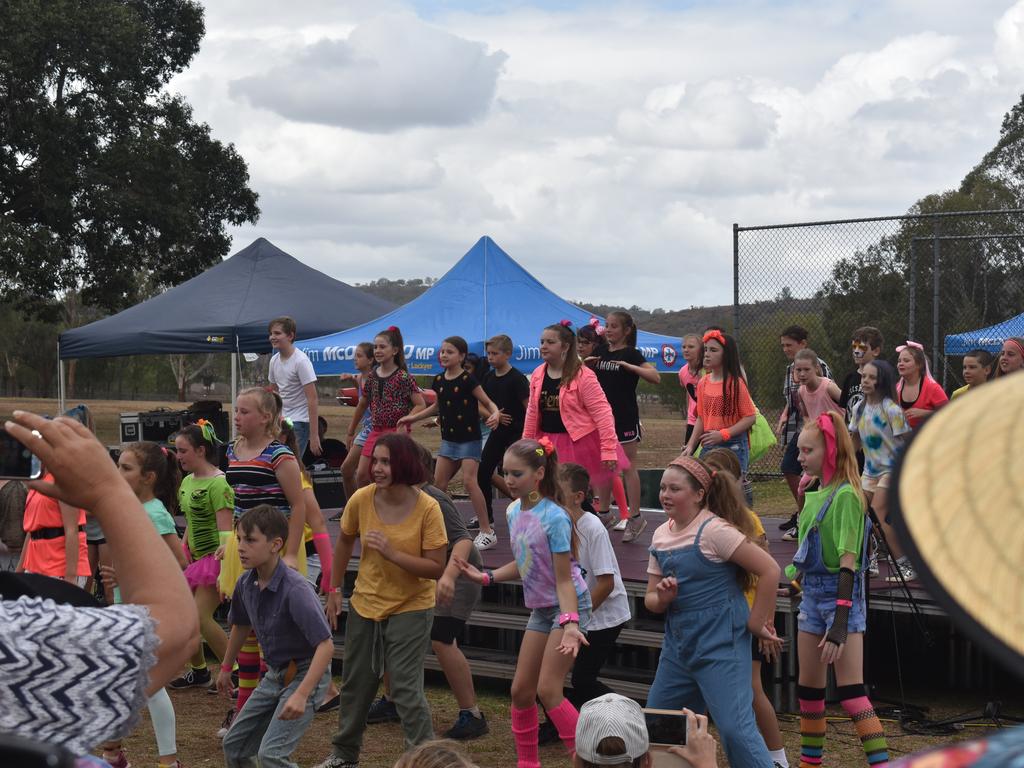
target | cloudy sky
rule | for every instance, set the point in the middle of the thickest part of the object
(608, 147)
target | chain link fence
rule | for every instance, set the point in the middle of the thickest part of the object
(916, 277)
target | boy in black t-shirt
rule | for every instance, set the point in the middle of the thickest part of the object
(509, 389)
(866, 346)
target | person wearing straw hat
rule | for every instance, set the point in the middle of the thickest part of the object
(956, 533)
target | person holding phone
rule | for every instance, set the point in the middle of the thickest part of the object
(613, 730)
(143, 643)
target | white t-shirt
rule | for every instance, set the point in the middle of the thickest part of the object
(290, 375)
(597, 558)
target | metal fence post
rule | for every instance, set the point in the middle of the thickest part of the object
(912, 288)
(935, 297)
(735, 279)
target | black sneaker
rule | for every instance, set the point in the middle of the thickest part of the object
(225, 726)
(468, 726)
(547, 734)
(194, 678)
(790, 523)
(382, 711)
(473, 524)
(791, 534)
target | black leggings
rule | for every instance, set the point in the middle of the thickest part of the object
(494, 451)
(585, 685)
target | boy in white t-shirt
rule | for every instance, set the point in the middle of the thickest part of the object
(292, 376)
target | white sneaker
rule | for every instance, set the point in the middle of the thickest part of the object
(909, 574)
(485, 540)
(873, 563)
(621, 525)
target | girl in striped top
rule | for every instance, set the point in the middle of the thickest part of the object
(261, 470)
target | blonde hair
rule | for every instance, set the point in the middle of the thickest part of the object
(442, 753)
(268, 404)
(846, 456)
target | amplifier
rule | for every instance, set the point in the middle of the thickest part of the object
(156, 426)
(328, 488)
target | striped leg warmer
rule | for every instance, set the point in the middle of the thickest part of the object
(858, 706)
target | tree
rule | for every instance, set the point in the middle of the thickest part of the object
(186, 368)
(106, 181)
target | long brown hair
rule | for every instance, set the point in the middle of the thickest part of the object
(572, 365)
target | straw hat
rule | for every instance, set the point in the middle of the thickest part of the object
(959, 511)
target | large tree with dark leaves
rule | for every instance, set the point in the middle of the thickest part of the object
(108, 186)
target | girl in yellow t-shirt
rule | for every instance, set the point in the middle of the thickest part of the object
(402, 554)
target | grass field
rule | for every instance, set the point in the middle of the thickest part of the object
(199, 714)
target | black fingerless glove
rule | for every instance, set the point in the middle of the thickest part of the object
(844, 602)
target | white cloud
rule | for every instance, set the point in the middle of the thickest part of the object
(392, 72)
(613, 148)
(718, 114)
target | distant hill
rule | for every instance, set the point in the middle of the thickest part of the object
(677, 322)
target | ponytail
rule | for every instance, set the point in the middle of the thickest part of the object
(572, 365)
(163, 463)
(394, 337)
(627, 320)
(846, 455)
(269, 404)
(536, 455)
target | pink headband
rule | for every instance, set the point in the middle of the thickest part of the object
(828, 429)
(695, 468)
(1016, 344)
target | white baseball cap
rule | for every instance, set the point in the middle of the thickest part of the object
(611, 715)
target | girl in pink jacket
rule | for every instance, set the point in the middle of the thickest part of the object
(569, 406)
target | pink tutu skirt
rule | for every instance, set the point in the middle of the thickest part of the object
(587, 453)
(203, 572)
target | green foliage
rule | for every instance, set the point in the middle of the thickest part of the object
(107, 184)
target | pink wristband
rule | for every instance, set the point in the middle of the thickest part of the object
(488, 578)
(566, 618)
(847, 603)
(725, 434)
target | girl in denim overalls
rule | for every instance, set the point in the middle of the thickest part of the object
(830, 564)
(699, 564)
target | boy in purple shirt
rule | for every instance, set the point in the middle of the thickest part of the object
(296, 640)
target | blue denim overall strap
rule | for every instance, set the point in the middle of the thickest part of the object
(808, 555)
(702, 582)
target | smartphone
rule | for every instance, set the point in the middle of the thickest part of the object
(666, 728)
(16, 461)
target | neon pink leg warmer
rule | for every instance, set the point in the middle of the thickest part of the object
(524, 731)
(564, 716)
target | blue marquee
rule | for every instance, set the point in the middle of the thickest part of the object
(990, 339)
(484, 294)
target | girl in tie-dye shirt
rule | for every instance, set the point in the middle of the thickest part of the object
(542, 538)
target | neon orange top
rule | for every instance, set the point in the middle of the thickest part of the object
(46, 556)
(712, 406)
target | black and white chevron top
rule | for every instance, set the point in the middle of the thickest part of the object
(73, 676)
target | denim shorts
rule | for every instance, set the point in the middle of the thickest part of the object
(360, 439)
(545, 620)
(791, 460)
(459, 451)
(818, 604)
